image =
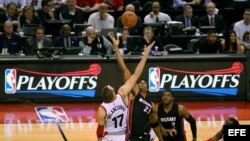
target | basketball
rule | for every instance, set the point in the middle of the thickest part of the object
(129, 19)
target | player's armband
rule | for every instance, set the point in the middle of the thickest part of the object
(154, 125)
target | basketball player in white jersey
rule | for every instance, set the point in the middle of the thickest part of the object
(112, 114)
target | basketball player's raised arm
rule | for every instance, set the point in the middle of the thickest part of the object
(127, 87)
(125, 71)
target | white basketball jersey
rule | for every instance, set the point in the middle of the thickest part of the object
(116, 115)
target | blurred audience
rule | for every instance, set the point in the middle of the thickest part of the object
(212, 19)
(101, 19)
(148, 38)
(33, 45)
(65, 39)
(140, 5)
(94, 44)
(155, 15)
(36, 4)
(19, 3)
(181, 3)
(88, 5)
(72, 13)
(116, 5)
(242, 29)
(10, 14)
(138, 25)
(190, 21)
(46, 13)
(209, 44)
(10, 40)
(28, 16)
(126, 44)
(231, 44)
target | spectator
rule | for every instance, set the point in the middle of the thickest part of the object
(126, 44)
(133, 30)
(65, 39)
(208, 44)
(148, 38)
(231, 44)
(46, 13)
(94, 44)
(116, 5)
(34, 44)
(36, 4)
(189, 21)
(10, 14)
(19, 3)
(88, 5)
(140, 5)
(155, 15)
(101, 19)
(242, 29)
(28, 16)
(9, 40)
(72, 13)
(181, 3)
(212, 19)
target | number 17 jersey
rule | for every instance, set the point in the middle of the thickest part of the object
(116, 115)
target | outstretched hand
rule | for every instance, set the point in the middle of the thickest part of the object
(114, 40)
(148, 48)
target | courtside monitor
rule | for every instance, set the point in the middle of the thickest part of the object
(206, 29)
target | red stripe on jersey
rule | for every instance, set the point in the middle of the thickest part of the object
(130, 110)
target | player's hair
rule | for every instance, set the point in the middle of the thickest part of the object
(107, 94)
(234, 121)
(169, 91)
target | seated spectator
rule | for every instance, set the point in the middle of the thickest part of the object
(34, 44)
(140, 5)
(94, 44)
(189, 21)
(9, 15)
(46, 13)
(133, 30)
(208, 44)
(155, 15)
(10, 40)
(181, 3)
(72, 13)
(212, 19)
(19, 3)
(88, 5)
(66, 40)
(148, 38)
(36, 4)
(166, 4)
(242, 29)
(28, 16)
(101, 19)
(116, 5)
(219, 135)
(231, 44)
(126, 44)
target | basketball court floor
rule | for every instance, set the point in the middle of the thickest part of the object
(20, 122)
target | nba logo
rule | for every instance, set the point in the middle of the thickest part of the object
(51, 114)
(154, 79)
(10, 81)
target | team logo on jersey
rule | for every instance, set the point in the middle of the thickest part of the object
(218, 82)
(51, 114)
(154, 79)
(10, 81)
(77, 84)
